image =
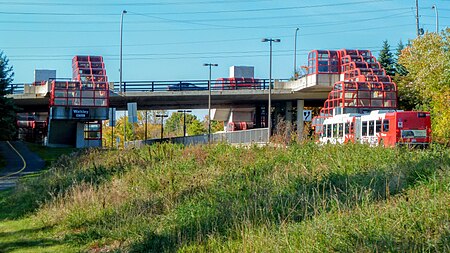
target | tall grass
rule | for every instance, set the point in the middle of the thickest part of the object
(222, 198)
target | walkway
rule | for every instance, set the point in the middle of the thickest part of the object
(20, 161)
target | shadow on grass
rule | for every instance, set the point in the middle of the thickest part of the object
(249, 198)
(23, 244)
(23, 232)
(24, 239)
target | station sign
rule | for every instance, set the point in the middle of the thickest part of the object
(307, 115)
(132, 112)
(80, 113)
(112, 117)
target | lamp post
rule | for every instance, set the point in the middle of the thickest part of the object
(121, 36)
(269, 117)
(162, 116)
(210, 65)
(434, 7)
(295, 54)
(184, 120)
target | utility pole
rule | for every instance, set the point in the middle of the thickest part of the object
(417, 18)
(146, 119)
(121, 36)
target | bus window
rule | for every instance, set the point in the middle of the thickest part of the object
(351, 128)
(364, 128)
(386, 125)
(328, 131)
(347, 128)
(335, 130)
(378, 126)
(341, 130)
(371, 128)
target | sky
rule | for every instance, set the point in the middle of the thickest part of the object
(170, 40)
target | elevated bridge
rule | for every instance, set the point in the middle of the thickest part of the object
(82, 102)
(192, 94)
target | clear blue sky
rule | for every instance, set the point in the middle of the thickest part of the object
(170, 40)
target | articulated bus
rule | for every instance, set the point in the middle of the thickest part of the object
(381, 127)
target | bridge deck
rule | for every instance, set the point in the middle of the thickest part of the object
(162, 95)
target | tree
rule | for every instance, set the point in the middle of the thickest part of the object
(427, 61)
(8, 111)
(153, 128)
(386, 59)
(174, 124)
(196, 128)
(400, 70)
(217, 126)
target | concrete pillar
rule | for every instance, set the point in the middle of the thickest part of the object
(80, 143)
(289, 112)
(300, 123)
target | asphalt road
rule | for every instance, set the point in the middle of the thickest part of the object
(15, 166)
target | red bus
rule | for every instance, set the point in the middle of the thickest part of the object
(388, 128)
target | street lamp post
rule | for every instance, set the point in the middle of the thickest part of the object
(162, 116)
(184, 120)
(121, 36)
(210, 65)
(269, 117)
(434, 7)
(295, 54)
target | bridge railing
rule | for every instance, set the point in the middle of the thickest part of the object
(17, 88)
(177, 85)
(190, 85)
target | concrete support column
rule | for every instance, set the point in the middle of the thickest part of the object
(300, 123)
(289, 112)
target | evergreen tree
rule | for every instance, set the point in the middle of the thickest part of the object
(399, 68)
(386, 59)
(8, 110)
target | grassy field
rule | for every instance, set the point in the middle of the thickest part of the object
(49, 155)
(166, 198)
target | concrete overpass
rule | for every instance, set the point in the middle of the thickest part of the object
(242, 106)
(312, 89)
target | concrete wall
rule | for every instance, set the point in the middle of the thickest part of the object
(62, 133)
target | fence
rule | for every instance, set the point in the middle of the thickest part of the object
(239, 137)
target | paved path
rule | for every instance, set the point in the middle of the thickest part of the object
(20, 161)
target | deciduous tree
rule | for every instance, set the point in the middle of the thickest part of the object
(427, 61)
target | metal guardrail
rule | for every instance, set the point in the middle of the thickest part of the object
(176, 85)
(251, 136)
(17, 88)
(190, 85)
